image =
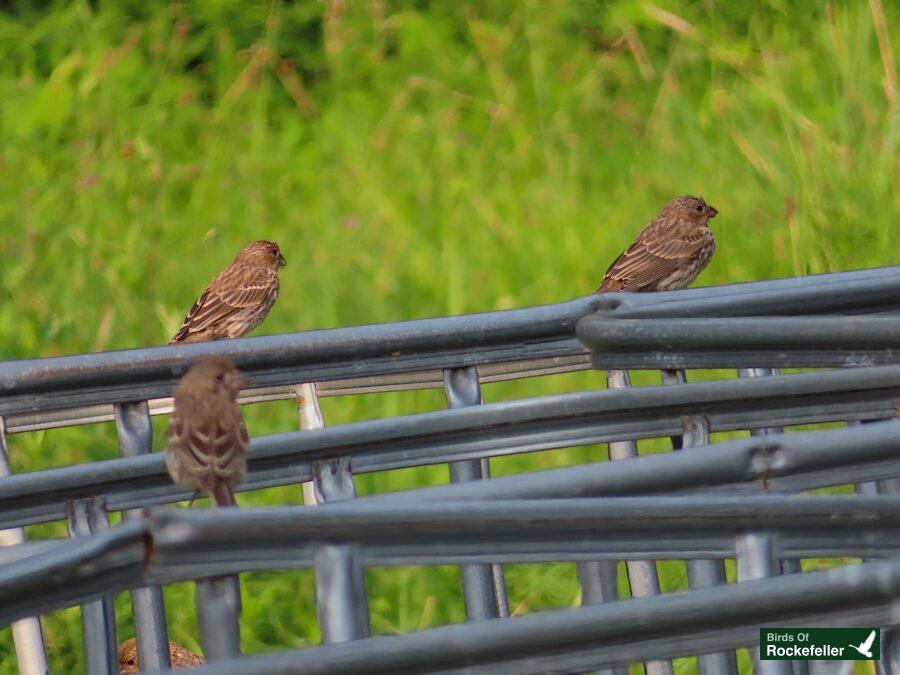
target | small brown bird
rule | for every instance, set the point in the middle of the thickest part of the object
(179, 656)
(207, 437)
(238, 299)
(669, 253)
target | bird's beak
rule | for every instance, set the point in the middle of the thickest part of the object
(281, 261)
(240, 381)
(711, 211)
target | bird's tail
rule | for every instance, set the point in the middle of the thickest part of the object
(223, 495)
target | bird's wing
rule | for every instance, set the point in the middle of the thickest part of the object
(652, 257)
(192, 442)
(231, 291)
(229, 444)
(208, 445)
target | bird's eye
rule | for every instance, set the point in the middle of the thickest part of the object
(130, 662)
(699, 207)
(220, 377)
(274, 251)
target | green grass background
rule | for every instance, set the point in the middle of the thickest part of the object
(412, 159)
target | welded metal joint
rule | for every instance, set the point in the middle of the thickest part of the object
(333, 480)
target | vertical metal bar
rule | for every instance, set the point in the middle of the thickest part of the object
(311, 417)
(760, 372)
(757, 559)
(789, 565)
(484, 587)
(135, 431)
(642, 574)
(28, 638)
(341, 602)
(98, 617)
(706, 573)
(599, 583)
(218, 602)
(341, 594)
(674, 377)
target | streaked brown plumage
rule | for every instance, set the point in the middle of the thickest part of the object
(669, 253)
(207, 437)
(238, 299)
(179, 656)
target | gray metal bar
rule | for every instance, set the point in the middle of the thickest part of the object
(98, 617)
(43, 393)
(218, 601)
(798, 461)
(178, 543)
(341, 601)
(814, 341)
(872, 291)
(467, 433)
(28, 638)
(786, 565)
(135, 431)
(600, 636)
(599, 581)
(761, 372)
(757, 559)
(311, 417)
(33, 385)
(706, 573)
(642, 575)
(482, 596)
(373, 384)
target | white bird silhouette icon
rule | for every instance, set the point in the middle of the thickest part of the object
(865, 648)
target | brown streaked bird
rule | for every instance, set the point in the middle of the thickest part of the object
(669, 253)
(179, 656)
(207, 437)
(238, 299)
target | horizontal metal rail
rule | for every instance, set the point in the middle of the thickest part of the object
(790, 462)
(611, 634)
(489, 430)
(869, 291)
(177, 544)
(815, 341)
(61, 391)
(490, 372)
(292, 358)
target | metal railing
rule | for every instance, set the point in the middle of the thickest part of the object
(480, 524)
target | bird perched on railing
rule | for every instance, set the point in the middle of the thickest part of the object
(238, 299)
(178, 655)
(207, 437)
(669, 253)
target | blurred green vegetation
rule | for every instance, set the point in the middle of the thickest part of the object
(412, 159)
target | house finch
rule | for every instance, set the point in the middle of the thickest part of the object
(207, 436)
(238, 299)
(669, 253)
(179, 656)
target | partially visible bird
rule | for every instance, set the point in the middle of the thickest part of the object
(207, 437)
(179, 656)
(238, 299)
(669, 253)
